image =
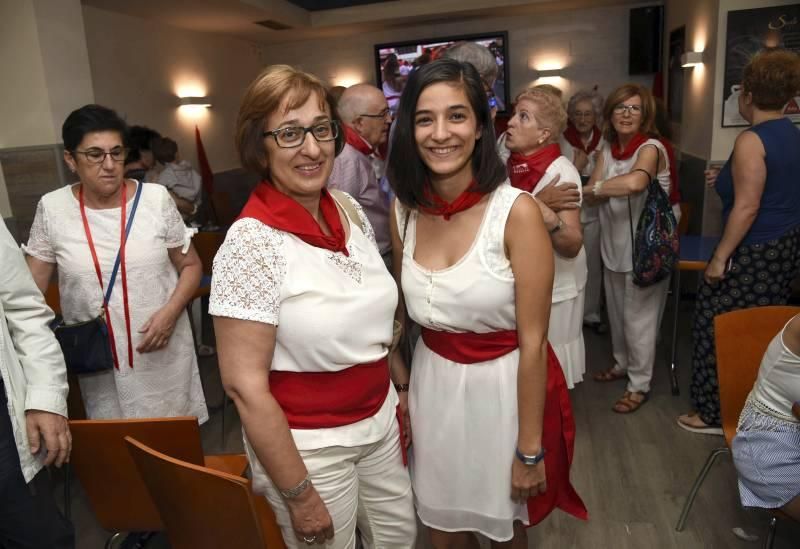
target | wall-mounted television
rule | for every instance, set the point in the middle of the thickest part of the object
(411, 54)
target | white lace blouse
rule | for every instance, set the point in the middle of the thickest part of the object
(332, 311)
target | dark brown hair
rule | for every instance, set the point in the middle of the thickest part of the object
(264, 96)
(622, 94)
(773, 77)
(407, 174)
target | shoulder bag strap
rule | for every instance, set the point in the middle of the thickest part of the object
(348, 207)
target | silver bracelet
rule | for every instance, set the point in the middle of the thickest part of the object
(598, 185)
(291, 493)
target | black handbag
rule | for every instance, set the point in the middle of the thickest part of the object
(87, 345)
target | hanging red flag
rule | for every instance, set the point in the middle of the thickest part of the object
(202, 160)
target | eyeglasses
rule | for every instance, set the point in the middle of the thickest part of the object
(630, 109)
(294, 136)
(98, 156)
(383, 114)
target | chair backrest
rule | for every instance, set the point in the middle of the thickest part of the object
(207, 244)
(741, 339)
(102, 463)
(201, 508)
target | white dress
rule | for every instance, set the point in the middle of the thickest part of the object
(163, 383)
(464, 418)
(565, 331)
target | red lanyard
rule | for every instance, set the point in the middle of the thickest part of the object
(122, 241)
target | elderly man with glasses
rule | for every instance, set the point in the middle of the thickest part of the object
(359, 168)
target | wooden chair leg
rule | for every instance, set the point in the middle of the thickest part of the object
(712, 457)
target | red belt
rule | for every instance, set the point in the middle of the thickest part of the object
(317, 400)
(558, 429)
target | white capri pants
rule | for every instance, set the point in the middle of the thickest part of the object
(365, 486)
(634, 315)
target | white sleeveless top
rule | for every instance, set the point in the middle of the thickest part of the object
(615, 221)
(778, 383)
(477, 293)
(332, 311)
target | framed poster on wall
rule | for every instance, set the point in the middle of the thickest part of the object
(749, 32)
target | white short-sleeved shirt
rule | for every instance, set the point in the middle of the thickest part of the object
(615, 220)
(331, 311)
(570, 273)
(588, 213)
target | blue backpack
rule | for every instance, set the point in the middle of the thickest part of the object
(655, 243)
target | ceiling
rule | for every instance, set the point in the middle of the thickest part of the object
(255, 20)
(317, 5)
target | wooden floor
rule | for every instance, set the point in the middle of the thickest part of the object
(633, 472)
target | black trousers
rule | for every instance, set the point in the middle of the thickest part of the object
(29, 518)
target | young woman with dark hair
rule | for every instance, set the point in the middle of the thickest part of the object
(487, 398)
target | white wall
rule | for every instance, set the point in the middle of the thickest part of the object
(139, 67)
(592, 43)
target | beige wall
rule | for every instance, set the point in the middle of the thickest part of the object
(700, 19)
(592, 43)
(5, 206)
(25, 114)
(139, 68)
(723, 138)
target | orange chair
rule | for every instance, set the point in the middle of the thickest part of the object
(203, 508)
(741, 338)
(116, 493)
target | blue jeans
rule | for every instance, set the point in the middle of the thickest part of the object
(29, 518)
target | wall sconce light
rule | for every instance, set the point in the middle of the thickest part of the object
(691, 59)
(547, 73)
(196, 102)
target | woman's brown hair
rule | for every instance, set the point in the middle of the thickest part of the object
(773, 77)
(622, 94)
(264, 96)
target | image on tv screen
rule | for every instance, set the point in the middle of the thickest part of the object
(394, 62)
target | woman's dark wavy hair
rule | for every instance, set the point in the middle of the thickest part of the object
(89, 119)
(407, 174)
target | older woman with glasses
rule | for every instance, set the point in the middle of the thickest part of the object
(581, 143)
(304, 309)
(77, 231)
(631, 157)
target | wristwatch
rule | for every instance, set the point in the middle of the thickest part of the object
(530, 460)
(557, 228)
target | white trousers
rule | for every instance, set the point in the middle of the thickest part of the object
(365, 486)
(593, 292)
(633, 314)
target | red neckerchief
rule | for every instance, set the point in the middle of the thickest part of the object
(525, 172)
(674, 191)
(464, 201)
(270, 206)
(635, 143)
(123, 272)
(574, 138)
(354, 139)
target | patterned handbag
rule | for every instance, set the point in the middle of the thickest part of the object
(655, 243)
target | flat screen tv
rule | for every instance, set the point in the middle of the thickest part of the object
(410, 54)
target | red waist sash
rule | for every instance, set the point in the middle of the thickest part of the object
(558, 429)
(317, 400)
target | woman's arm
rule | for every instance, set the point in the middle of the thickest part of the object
(398, 368)
(529, 250)
(245, 349)
(568, 239)
(632, 182)
(589, 197)
(42, 272)
(749, 177)
(158, 328)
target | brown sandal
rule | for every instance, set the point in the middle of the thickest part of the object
(627, 405)
(611, 374)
